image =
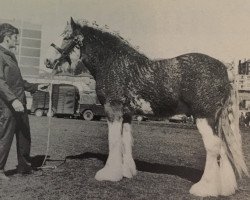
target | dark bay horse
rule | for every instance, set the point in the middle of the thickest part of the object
(127, 82)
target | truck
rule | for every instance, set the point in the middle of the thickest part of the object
(67, 102)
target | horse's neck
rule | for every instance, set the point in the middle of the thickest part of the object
(101, 57)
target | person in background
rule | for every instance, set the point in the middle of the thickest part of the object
(13, 111)
(242, 119)
(247, 119)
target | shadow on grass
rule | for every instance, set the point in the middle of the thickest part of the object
(187, 173)
(193, 175)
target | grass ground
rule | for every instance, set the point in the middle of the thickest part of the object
(169, 158)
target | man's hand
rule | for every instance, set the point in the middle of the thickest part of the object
(18, 106)
(43, 87)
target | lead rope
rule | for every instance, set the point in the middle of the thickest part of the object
(43, 166)
(49, 120)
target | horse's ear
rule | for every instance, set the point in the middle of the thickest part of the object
(72, 23)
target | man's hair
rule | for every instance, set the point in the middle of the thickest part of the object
(7, 30)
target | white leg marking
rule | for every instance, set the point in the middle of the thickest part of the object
(128, 167)
(209, 185)
(113, 168)
(227, 176)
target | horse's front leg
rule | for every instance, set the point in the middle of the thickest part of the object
(112, 170)
(128, 165)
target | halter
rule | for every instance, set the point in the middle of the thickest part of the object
(77, 41)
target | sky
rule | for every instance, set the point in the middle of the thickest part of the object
(161, 28)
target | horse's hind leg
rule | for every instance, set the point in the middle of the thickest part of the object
(209, 185)
(112, 170)
(128, 165)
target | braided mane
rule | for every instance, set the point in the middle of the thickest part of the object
(110, 40)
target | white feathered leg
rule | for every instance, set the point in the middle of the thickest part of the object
(227, 176)
(128, 167)
(209, 185)
(113, 168)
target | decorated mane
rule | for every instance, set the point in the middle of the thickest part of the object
(109, 40)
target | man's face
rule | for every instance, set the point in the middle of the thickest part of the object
(13, 40)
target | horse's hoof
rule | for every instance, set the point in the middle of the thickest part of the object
(203, 189)
(107, 174)
(129, 169)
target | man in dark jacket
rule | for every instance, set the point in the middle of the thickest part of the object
(13, 112)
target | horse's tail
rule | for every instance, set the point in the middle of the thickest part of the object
(229, 132)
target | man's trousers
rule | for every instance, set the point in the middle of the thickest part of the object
(17, 123)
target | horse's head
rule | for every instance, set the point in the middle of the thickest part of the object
(66, 57)
(95, 47)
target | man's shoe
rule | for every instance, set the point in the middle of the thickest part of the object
(3, 176)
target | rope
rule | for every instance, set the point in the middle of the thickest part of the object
(49, 121)
(49, 124)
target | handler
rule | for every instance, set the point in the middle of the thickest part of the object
(13, 111)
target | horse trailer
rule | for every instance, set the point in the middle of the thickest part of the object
(67, 102)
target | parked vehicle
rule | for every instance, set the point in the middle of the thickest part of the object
(181, 118)
(91, 111)
(178, 119)
(66, 102)
(140, 118)
(89, 107)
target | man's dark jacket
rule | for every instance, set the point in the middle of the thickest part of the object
(12, 85)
